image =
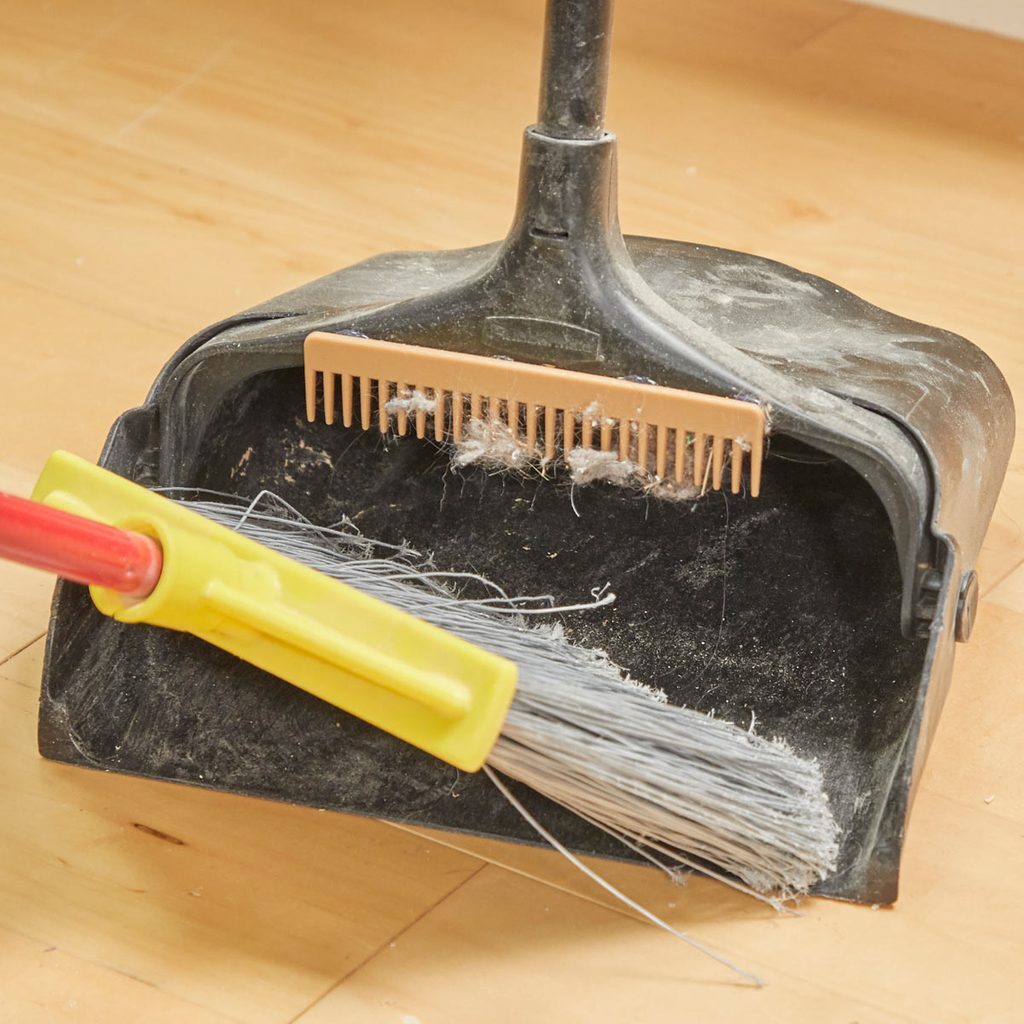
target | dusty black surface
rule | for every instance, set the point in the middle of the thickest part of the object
(785, 607)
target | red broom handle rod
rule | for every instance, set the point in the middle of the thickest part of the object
(78, 549)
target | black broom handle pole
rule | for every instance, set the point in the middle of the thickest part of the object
(574, 73)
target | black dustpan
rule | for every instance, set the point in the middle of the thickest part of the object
(825, 611)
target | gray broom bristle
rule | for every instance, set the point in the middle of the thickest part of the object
(683, 788)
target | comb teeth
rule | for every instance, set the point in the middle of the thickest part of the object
(668, 433)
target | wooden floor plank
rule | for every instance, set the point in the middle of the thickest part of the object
(42, 984)
(523, 952)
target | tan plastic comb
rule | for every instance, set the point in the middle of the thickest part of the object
(663, 430)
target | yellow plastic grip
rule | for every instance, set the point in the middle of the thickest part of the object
(416, 681)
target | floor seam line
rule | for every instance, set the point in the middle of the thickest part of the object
(22, 649)
(385, 945)
(852, 10)
(991, 585)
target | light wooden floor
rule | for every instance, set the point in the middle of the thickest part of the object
(166, 163)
